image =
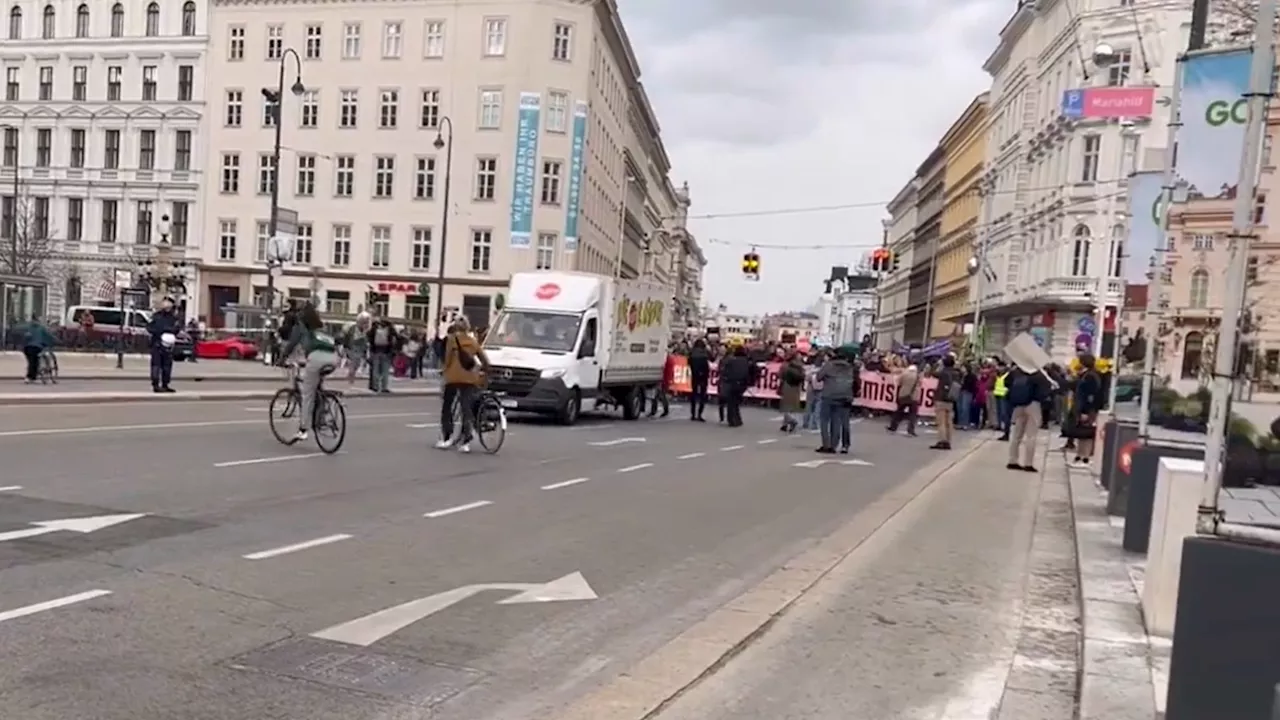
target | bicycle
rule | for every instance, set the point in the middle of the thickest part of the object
(329, 416)
(47, 368)
(491, 419)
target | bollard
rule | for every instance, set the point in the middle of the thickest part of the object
(1275, 703)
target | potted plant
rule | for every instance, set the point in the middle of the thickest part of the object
(1244, 464)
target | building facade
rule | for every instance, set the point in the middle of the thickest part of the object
(924, 248)
(847, 313)
(893, 288)
(500, 103)
(732, 327)
(964, 149)
(791, 328)
(102, 149)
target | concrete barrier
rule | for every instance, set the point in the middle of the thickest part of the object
(1173, 519)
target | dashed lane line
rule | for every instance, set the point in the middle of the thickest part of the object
(691, 456)
(51, 604)
(178, 425)
(565, 484)
(296, 547)
(731, 448)
(633, 468)
(457, 509)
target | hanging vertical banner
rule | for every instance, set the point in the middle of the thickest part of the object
(1214, 113)
(526, 170)
(1146, 221)
(574, 204)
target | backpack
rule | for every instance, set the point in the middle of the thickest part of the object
(793, 375)
(382, 336)
(1021, 392)
(465, 359)
(322, 341)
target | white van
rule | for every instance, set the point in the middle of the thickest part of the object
(106, 317)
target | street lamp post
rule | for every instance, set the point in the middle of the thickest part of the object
(276, 99)
(447, 146)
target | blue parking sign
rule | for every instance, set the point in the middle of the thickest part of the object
(1073, 103)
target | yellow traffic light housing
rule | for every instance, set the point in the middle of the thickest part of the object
(751, 265)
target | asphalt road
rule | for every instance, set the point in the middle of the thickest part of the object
(235, 595)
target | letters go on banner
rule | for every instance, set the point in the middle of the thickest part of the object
(876, 391)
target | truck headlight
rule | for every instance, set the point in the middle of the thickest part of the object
(552, 373)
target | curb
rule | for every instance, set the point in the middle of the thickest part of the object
(126, 375)
(654, 683)
(111, 398)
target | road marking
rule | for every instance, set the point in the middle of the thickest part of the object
(731, 448)
(566, 483)
(179, 425)
(10, 488)
(457, 509)
(79, 525)
(767, 441)
(256, 409)
(274, 552)
(52, 604)
(811, 464)
(265, 460)
(691, 456)
(423, 426)
(634, 468)
(619, 441)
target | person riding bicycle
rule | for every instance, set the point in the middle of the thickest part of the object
(320, 351)
(464, 367)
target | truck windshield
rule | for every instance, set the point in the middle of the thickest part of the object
(535, 330)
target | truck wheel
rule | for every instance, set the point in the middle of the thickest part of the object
(568, 414)
(633, 405)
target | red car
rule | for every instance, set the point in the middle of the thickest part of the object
(227, 348)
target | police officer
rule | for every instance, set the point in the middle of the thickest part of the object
(163, 328)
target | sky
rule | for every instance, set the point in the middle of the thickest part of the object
(768, 105)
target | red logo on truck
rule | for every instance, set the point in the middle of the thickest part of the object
(546, 292)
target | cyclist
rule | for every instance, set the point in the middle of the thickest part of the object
(464, 367)
(319, 349)
(36, 340)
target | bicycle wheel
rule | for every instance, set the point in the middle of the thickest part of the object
(330, 423)
(53, 368)
(491, 424)
(42, 369)
(287, 404)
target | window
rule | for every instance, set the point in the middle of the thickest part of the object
(235, 108)
(182, 150)
(551, 170)
(341, 246)
(389, 109)
(142, 217)
(546, 258)
(351, 41)
(344, 176)
(235, 53)
(1089, 162)
(486, 178)
(8, 216)
(46, 82)
(384, 176)
(1080, 252)
(495, 37)
(80, 83)
(481, 250)
(111, 150)
(348, 108)
(228, 233)
(266, 173)
(430, 117)
(270, 109)
(433, 39)
(275, 42)
(188, 19)
(153, 19)
(1118, 71)
(1199, 291)
(392, 40)
(44, 147)
(311, 50)
(302, 246)
(1130, 150)
(1116, 259)
(10, 146)
(306, 179)
(75, 219)
(117, 20)
(77, 147)
(420, 249)
(424, 179)
(147, 150)
(1251, 271)
(15, 23)
(380, 248)
(82, 21)
(490, 109)
(186, 82)
(1260, 209)
(417, 308)
(263, 239)
(49, 23)
(338, 302)
(110, 221)
(309, 108)
(115, 74)
(40, 219)
(557, 112)
(562, 42)
(179, 223)
(12, 86)
(149, 82)
(1203, 243)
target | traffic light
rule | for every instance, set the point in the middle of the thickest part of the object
(881, 260)
(751, 265)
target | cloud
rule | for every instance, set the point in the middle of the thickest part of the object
(768, 105)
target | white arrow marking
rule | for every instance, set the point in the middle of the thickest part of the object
(79, 525)
(859, 463)
(370, 629)
(811, 464)
(619, 441)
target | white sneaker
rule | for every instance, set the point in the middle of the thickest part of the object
(464, 448)
(444, 444)
(302, 435)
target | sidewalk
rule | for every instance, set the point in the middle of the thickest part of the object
(962, 605)
(67, 392)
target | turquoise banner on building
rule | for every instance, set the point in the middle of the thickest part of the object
(526, 170)
(574, 203)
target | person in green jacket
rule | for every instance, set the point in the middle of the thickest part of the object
(36, 338)
(320, 351)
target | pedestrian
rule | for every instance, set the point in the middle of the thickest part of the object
(1001, 392)
(966, 411)
(463, 371)
(36, 340)
(194, 332)
(1025, 393)
(722, 395)
(384, 341)
(662, 396)
(791, 386)
(945, 397)
(813, 393)
(355, 342)
(163, 328)
(837, 402)
(907, 403)
(735, 378)
(1085, 404)
(699, 378)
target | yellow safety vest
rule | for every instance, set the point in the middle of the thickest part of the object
(1000, 390)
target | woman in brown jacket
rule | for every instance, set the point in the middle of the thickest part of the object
(464, 367)
(790, 390)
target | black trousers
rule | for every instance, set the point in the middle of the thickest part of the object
(733, 405)
(908, 412)
(465, 397)
(161, 367)
(32, 353)
(698, 396)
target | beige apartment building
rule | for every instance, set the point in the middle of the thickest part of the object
(380, 82)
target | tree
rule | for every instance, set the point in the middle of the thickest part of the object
(26, 244)
(1231, 21)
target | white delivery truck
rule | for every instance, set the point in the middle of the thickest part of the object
(568, 342)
